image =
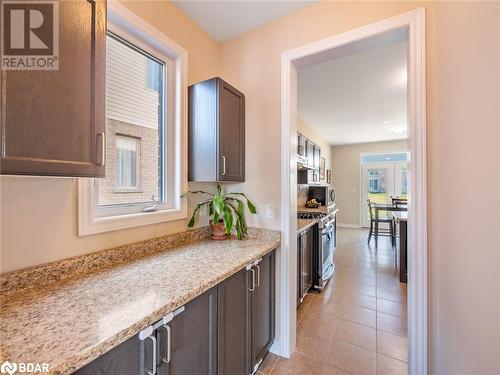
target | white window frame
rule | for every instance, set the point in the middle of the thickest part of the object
(93, 219)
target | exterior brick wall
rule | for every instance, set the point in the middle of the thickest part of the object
(148, 151)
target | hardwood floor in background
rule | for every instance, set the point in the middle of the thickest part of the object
(357, 325)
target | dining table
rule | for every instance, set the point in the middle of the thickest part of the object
(377, 207)
(401, 218)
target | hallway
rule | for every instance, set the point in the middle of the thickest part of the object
(358, 324)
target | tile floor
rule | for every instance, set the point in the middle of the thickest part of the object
(357, 325)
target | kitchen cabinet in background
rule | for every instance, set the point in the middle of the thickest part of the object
(53, 121)
(317, 162)
(305, 248)
(216, 132)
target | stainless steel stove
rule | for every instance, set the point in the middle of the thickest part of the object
(323, 259)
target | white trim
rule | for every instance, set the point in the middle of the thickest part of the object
(417, 260)
(122, 21)
(343, 225)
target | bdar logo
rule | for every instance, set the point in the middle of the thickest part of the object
(30, 34)
(8, 368)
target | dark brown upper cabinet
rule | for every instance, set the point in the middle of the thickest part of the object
(53, 121)
(216, 132)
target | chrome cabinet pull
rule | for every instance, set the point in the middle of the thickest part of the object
(147, 333)
(223, 165)
(258, 274)
(169, 346)
(102, 141)
(253, 280)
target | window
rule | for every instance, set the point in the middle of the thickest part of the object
(127, 163)
(135, 126)
(385, 157)
(145, 122)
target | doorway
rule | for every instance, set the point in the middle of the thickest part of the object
(414, 22)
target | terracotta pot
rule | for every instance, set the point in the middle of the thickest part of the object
(218, 231)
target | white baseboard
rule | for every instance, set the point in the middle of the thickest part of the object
(342, 225)
(275, 348)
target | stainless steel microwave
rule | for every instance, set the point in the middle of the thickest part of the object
(323, 194)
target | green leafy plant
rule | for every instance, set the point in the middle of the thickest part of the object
(229, 207)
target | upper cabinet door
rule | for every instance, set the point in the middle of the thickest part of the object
(317, 157)
(53, 121)
(216, 132)
(231, 133)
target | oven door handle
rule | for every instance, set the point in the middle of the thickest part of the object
(327, 230)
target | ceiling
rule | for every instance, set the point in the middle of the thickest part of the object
(226, 19)
(359, 94)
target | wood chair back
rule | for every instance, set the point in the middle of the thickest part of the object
(370, 209)
(398, 202)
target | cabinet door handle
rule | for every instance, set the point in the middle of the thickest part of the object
(153, 369)
(223, 165)
(102, 142)
(258, 274)
(148, 333)
(169, 346)
(253, 280)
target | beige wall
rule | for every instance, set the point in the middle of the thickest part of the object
(39, 215)
(464, 174)
(345, 161)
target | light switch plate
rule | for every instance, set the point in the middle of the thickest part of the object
(269, 211)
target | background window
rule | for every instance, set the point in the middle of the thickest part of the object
(385, 158)
(135, 127)
(127, 162)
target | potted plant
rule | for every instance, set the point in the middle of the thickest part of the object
(227, 212)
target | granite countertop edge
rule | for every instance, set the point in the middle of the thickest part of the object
(73, 364)
(69, 360)
(304, 224)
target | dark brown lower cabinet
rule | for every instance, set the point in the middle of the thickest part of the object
(233, 301)
(127, 358)
(262, 311)
(186, 344)
(228, 330)
(305, 248)
(192, 345)
(246, 317)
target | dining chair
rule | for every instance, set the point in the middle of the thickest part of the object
(398, 202)
(380, 219)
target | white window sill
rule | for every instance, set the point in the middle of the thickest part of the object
(89, 224)
(118, 190)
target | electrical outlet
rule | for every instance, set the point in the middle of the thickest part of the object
(269, 211)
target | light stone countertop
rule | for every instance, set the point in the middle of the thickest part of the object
(303, 224)
(71, 322)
